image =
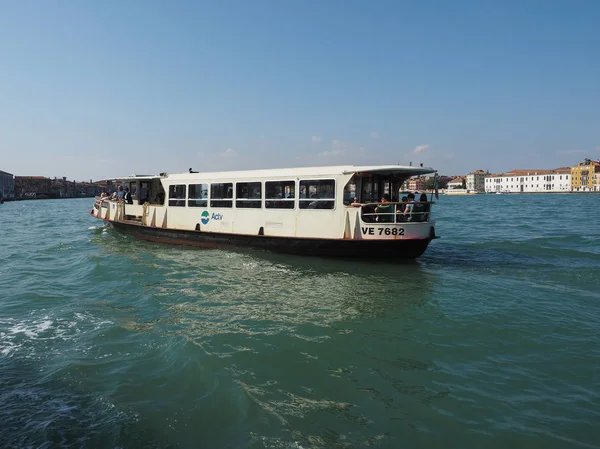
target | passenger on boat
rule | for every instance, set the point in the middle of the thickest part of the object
(426, 207)
(120, 193)
(143, 194)
(403, 205)
(113, 197)
(400, 217)
(414, 210)
(386, 211)
(104, 194)
(409, 206)
(127, 196)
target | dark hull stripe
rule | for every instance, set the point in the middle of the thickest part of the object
(389, 249)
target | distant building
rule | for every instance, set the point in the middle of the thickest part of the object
(476, 181)
(7, 185)
(583, 176)
(417, 183)
(456, 183)
(530, 181)
(32, 187)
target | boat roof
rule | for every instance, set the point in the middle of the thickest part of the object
(291, 172)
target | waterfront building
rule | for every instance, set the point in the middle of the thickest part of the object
(416, 184)
(476, 181)
(33, 187)
(456, 183)
(61, 188)
(530, 181)
(7, 185)
(583, 176)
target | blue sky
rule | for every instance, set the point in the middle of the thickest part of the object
(90, 90)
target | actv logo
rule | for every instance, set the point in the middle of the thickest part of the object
(205, 217)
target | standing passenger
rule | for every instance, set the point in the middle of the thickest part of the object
(127, 196)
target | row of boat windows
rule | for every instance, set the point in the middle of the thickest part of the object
(313, 194)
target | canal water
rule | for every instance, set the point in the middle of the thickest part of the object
(491, 339)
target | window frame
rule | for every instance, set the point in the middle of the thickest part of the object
(271, 203)
(248, 202)
(179, 201)
(307, 201)
(224, 202)
(200, 198)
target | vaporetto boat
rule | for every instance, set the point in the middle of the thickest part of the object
(335, 211)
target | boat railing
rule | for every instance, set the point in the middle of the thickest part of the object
(396, 212)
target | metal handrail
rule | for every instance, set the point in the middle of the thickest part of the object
(398, 216)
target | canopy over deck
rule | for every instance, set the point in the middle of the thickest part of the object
(402, 170)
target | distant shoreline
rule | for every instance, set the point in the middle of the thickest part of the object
(9, 200)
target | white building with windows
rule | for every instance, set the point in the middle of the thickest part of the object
(476, 181)
(456, 183)
(530, 181)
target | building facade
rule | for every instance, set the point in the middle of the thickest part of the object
(476, 181)
(456, 183)
(417, 183)
(583, 176)
(530, 181)
(7, 185)
(33, 187)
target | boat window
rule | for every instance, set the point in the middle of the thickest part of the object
(221, 194)
(198, 195)
(280, 194)
(177, 195)
(153, 192)
(317, 194)
(370, 190)
(248, 195)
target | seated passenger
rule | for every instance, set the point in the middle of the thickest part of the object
(426, 207)
(400, 217)
(313, 204)
(368, 213)
(408, 208)
(414, 210)
(403, 206)
(385, 210)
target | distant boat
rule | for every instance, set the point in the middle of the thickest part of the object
(498, 193)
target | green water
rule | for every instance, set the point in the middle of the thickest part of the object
(491, 339)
